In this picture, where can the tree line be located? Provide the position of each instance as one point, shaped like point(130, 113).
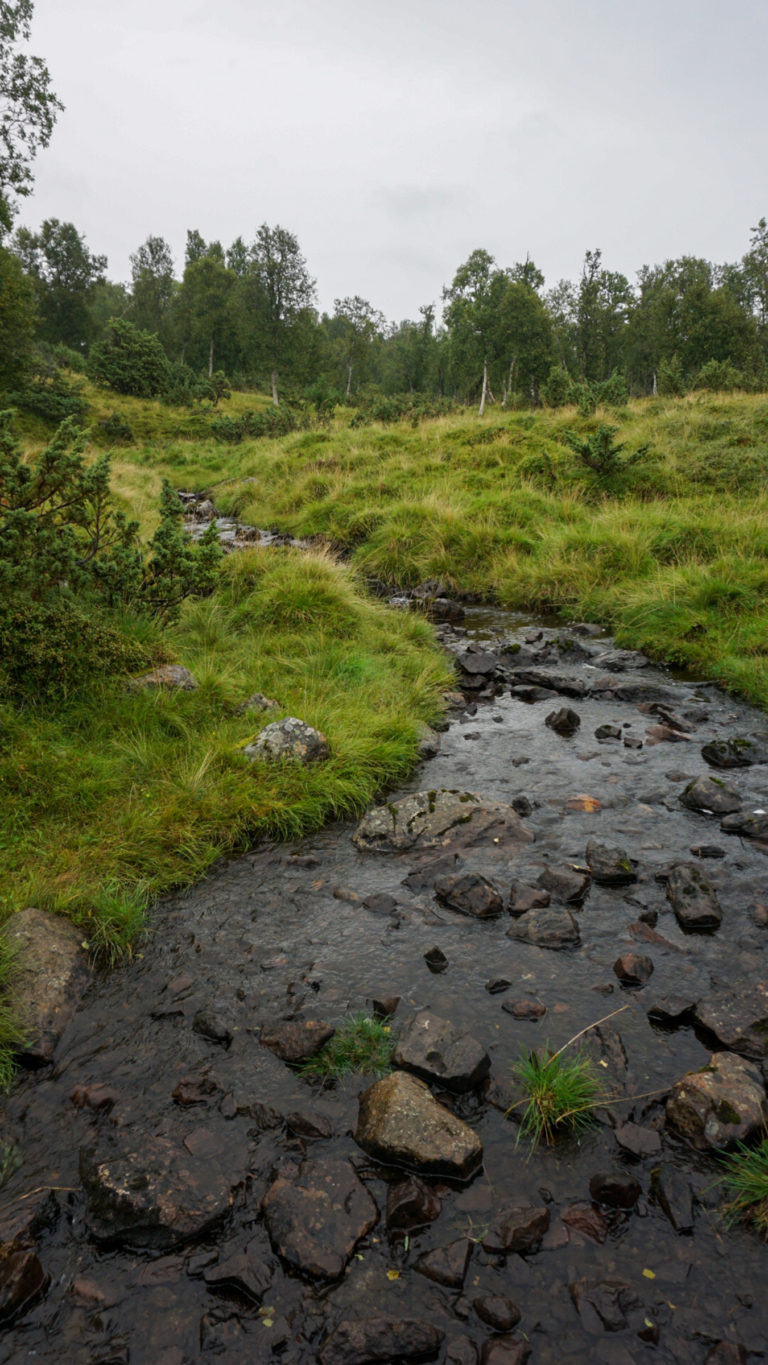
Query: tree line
point(249, 310)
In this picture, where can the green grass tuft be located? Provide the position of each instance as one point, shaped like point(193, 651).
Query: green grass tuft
point(560, 1094)
point(362, 1045)
point(746, 1180)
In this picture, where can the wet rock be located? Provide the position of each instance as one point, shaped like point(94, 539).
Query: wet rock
point(637, 1140)
point(168, 676)
point(22, 1279)
point(734, 753)
point(436, 960)
point(632, 742)
point(568, 885)
point(433, 1049)
point(258, 703)
point(708, 851)
point(380, 902)
point(316, 1220)
point(523, 897)
point(439, 819)
point(621, 660)
point(523, 806)
point(529, 1007)
point(604, 1305)
point(51, 974)
point(586, 1221)
point(289, 739)
point(370, 1340)
point(152, 1192)
point(609, 866)
point(384, 1006)
point(445, 609)
point(673, 1191)
point(672, 1009)
point(429, 743)
point(497, 1311)
point(470, 894)
point(212, 1027)
point(531, 695)
point(726, 1353)
point(719, 1105)
point(633, 969)
point(555, 928)
point(519, 1228)
point(563, 722)
point(411, 1204)
point(738, 1019)
point(608, 732)
point(296, 1041)
point(447, 1265)
point(497, 985)
point(461, 1351)
point(505, 1350)
point(245, 1271)
point(96, 1097)
point(401, 1123)
point(615, 1189)
point(693, 900)
point(306, 1123)
point(710, 795)
point(479, 663)
point(554, 682)
point(752, 825)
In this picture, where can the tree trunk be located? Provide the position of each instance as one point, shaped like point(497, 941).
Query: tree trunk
point(210, 358)
point(275, 399)
point(349, 380)
point(508, 386)
point(484, 393)
point(655, 389)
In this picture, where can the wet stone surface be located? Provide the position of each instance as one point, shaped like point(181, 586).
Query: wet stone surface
point(183, 1191)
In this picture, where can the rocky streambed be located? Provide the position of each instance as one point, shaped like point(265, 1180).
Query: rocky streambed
point(587, 843)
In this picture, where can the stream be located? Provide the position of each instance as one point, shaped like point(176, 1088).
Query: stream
point(162, 1068)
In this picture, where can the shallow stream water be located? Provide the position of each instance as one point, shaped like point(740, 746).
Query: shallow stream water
point(283, 933)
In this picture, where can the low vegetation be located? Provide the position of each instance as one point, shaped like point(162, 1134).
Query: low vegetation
point(361, 1045)
point(560, 1094)
point(746, 1182)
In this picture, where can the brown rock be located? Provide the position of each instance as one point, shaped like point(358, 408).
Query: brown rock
point(316, 1220)
point(22, 1278)
point(400, 1122)
point(633, 969)
point(721, 1104)
point(433, 1049)
point(411, 1204)
point(582, 1218)
point(523, 897)
point(506, 1350)
point(497, 1311)
point(447, 1265)
point(470, 894)
point(296, 1041)
point(519, 1228)
point(51, 975)
point(369, 1340)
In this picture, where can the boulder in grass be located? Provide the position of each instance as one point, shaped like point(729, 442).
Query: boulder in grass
point(170, 676)
point(290, 739)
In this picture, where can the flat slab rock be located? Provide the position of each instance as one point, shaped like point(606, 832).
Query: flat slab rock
point(156, 1192)
point(316, 1220)
point(721, 1104)
point(470, 894)
point(401, 1123)
point(439, 819)
point(171, 676)
point(365, 1341)
point(547, 928)
point(710, 795)
point(432, 1048)
point(52, 974)
point(738, 1019)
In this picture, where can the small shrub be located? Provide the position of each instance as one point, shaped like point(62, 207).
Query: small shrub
point(128, 360)
point(598, 454)
point(52, 397)
point(746, 1180)
point(273, 421)
point(556, 390)
point(361, 1045)
point(560, 1094)
point(54, 648)
point(115, 430)
point(719, 376)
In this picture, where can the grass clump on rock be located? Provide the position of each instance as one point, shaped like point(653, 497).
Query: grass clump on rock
point(746, 1179)
point(362, 1045)
point(559, 1094)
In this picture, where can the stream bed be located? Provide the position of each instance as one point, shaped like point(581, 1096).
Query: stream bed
point(162, 1078)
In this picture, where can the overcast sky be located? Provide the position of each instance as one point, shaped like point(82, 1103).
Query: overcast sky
point(393, 137)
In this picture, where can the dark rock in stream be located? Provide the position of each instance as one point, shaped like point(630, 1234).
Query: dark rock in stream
point(693, 900)
point(605, 1305)
point(517, 1229)
point(552, 928)
point(245, 1271)
point(633, 969)
point(609, 866)
point(737, 1019)
point(411, 1204)
point(621, 660)
point(752, 825)
point(553, 682)
point(478, 663)
point(401, 1123)
point(569, 885)
point(673, 1191)
point(433, 1049)
point(735, 753)
point(470, 894)
point(720, 1105)
point(439, 819)
point(296, 1041)
point(497, 1311)
point(564, 722)
point(161, 1192)
point(447, 1265)
point(379, 1340)
point(710, 795)
point(523, 898)
point(22, 1278)
point(316, 1220)
point(506, 1350)
point(615, 1190)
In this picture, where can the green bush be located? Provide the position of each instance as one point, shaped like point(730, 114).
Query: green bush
point(556, 390)
point(51, 397)
point(274, 421)
point(129, 361)
point(115, 430)
point(719, 376)
point(55, 647)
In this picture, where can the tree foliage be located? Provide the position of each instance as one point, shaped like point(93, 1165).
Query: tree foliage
point(28, 106)
point(128, 360)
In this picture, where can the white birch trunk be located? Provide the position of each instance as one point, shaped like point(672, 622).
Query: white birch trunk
point(484, 393)
point(275, 399)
